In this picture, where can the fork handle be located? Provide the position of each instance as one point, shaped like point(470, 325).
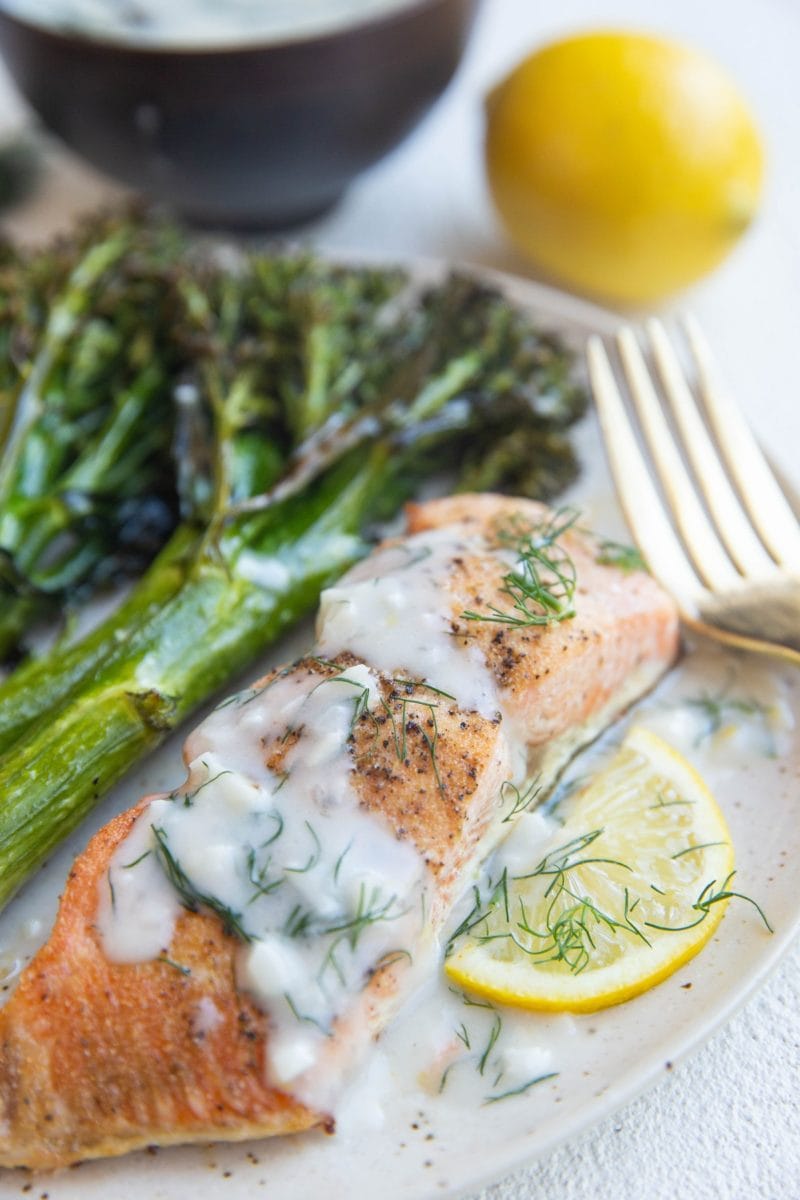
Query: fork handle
point(769, 612)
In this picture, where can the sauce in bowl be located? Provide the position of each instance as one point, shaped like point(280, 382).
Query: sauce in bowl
point(200, 23)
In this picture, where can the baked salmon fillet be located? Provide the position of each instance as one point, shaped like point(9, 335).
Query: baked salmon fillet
point(223, 956)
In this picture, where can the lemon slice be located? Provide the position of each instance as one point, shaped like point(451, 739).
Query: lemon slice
point(632, 886)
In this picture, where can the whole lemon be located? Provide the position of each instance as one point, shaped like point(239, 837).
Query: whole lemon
point(625, 165)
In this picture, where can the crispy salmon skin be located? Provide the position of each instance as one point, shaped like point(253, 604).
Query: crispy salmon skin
point(99, 1057)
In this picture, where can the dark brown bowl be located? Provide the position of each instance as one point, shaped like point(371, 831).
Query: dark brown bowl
point(259, 135)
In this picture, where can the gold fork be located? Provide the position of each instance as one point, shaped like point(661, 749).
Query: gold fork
point(718, 533)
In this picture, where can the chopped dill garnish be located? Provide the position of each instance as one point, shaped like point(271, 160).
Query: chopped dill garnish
point(699, 846)
point(470, 1001)
point(617, 554)
point(239, 699)
point(136, 861)
point(480, 912)
point(168, 962)
point(522, 801)
point(520, 1091)
point(368, 911)
point(707, 899)
point(445, 1076)
point(662, 803)
point(340, 860)
point(328, 663)
point(400, 736)
point(416, 554)
point(570, 916)
point(494, 1034)
point(361, 702)
point(188, 798)
point(259, 877)
point(348, 931)
point(305, 1017)
point(191, 897)
point(314, 857)
point(299, 922)
point(389, 959)
point(426, 687)
point(541, 584)
point(720, 708)
point(278, 819)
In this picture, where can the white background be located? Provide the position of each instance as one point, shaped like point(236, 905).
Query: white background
point(723, 1125)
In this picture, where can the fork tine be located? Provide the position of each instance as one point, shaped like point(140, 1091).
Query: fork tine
point(763, 499)
point(640, 501)
point(734, 528)
point(694, 526)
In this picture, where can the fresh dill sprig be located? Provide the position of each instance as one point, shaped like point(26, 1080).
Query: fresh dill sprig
point(520, 1091)
point(664, 803)
point(522, 801)
point(494, 1034)
point(305, 1016)
point(361, 701)
point(338, 866)
point(169, 962)
point(127, 866)
point(348, 931)
point(400, 736)
point(370, 908)
point(259, 877)
point(570, 918)
point(188, 798)
point(699, 846)
point(416, 554)
point(617, 554)
point(299, 922)
point(279, 823)
point(541, 584)
point(389, 959)
point(191, 897)
point(246, 695)
point(709, 896)
point(462, 1033)
point(470, 1001)
point(426, 687)
point(571, 921)
point(480, 912)
point(719, 707)
point(315, 855)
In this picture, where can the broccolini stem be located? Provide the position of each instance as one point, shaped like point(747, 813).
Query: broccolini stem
point(210, 628)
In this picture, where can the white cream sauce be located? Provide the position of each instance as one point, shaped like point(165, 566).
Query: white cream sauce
point(396, 612)
point(319, 890)
point(201, 23)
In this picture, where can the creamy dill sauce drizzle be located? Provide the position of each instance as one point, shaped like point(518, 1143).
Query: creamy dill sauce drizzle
point(399, 617)
point(319, 891)
point(200, 22)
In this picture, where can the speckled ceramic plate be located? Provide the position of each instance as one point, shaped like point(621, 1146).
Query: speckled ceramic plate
point(399, 1137)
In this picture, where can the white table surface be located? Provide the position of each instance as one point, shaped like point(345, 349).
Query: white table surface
point(722, 1125)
